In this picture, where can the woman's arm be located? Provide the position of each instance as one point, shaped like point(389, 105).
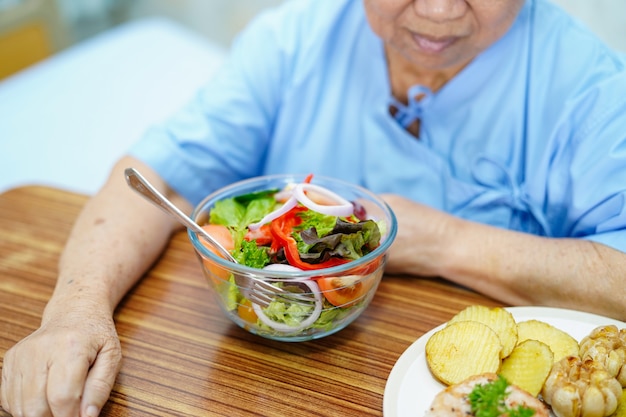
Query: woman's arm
point(70, 363)
point(516, 268)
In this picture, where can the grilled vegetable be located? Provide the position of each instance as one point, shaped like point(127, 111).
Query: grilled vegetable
point(621, 407)
point(607, 345)
point(581, 388)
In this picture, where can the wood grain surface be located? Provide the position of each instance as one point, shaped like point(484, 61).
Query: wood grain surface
point(183, 357)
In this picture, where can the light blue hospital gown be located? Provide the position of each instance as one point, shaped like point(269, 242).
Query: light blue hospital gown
point(530, 136)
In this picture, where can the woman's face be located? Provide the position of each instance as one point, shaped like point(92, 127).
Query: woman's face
point(441, 34)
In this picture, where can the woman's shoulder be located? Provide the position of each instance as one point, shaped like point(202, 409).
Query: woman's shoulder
point(298, 39)
point(562, 42)
point(571, 71)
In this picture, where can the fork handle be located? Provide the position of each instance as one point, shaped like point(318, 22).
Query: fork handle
point(138, 183)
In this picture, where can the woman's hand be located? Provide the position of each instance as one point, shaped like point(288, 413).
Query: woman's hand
point(68, 366)
point(65, 368)
point(422, 239)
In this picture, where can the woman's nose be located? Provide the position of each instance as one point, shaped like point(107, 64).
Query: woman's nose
point(440, 10)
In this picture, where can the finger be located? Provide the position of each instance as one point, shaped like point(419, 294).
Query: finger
point(33, 391)
point(6, 384)
point(18, 396)
point(66, 378)
point(100, 381)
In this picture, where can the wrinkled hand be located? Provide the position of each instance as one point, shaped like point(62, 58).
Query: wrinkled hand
point(65, 368)
point(423, 239)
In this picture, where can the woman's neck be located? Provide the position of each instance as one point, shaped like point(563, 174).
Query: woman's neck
point(404, 74)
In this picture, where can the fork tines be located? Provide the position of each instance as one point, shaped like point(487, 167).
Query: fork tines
point(265, 293)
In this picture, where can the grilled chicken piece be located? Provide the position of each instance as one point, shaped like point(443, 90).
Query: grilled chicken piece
point(454, 401)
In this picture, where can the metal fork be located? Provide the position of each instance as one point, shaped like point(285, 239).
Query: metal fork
point(253, 288)
point(263, 292)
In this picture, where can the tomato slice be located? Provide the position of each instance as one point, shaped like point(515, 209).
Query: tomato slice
point(219, 233)
point(345, 291)
point(223, 237)
point(262, 236)
point(246, 312)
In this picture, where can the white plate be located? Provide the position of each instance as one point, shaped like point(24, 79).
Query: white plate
point(411, 388)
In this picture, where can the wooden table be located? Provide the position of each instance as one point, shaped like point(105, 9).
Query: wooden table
point(183, 357)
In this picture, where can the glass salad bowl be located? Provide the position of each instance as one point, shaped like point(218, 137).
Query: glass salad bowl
point(319, 242)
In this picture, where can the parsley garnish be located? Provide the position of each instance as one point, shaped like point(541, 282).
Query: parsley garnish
point(487, 400)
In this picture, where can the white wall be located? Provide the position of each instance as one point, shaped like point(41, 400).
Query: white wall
point(220, 20)
point(606, 17)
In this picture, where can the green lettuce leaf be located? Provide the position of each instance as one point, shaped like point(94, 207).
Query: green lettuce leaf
point(238, 212)
point(291, 314)
point(323, 223)
point(228, 213)
point(252, 255)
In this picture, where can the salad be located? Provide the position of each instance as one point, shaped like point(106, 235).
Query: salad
point(303, 227)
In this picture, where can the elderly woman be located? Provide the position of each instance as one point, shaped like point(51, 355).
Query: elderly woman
point(495, 129)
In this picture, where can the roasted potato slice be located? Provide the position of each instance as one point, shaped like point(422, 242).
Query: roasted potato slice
point(500, 320)
point(528, 365)
point(560, 342)
point(463, 349)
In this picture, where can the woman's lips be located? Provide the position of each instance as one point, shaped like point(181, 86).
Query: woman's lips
point(433, 45)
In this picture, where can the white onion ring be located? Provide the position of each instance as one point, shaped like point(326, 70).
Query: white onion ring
point(286, 268)
point(285, 193)
point(289, 204)
point(281, 268)
point(283, 327)
point(344, 208)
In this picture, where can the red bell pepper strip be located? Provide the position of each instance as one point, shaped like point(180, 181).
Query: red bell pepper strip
point(282, 228)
